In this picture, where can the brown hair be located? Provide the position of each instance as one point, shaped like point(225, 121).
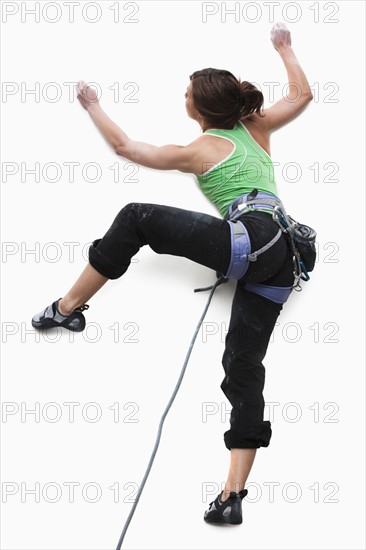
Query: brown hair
point(222, 99)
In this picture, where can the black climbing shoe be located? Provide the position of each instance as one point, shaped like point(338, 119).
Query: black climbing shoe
point(228, 511)
point(51, 317)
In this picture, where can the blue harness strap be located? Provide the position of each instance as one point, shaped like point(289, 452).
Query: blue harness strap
point(240, 250)
point(250, 202)
point(278, 294)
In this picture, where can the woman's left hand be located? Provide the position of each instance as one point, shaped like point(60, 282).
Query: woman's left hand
point(86, 95)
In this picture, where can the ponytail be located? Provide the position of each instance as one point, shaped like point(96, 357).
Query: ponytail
point(251, 99)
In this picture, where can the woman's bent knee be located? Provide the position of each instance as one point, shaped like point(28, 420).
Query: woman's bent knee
point(103, 264)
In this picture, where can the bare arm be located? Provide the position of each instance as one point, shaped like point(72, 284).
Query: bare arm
point(299, 92)
point(166, 157)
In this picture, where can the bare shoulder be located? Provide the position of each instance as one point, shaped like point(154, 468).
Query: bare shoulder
point(208, 150)
point(211, 143)
point(255, 122)
point(258, 129)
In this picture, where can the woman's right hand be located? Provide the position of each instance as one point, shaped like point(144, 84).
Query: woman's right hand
point(86, 95)
point(280, 36)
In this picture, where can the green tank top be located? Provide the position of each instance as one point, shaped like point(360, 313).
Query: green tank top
point(247, 167)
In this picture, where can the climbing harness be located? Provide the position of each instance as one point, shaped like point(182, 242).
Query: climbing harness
point(301, 239)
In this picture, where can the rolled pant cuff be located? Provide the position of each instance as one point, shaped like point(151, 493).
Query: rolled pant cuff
point(251, 438)
point(102, 264)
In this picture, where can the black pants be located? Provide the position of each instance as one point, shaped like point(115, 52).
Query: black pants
point(206, 240)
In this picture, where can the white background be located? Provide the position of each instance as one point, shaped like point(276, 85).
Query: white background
point(315, 377)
